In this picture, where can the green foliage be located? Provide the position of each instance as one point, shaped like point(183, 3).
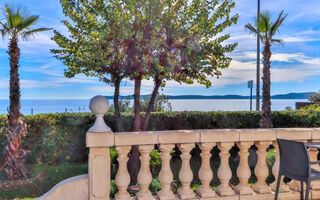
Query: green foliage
point(315, 98)
point(288, 108)
point(161, 104)
point(311, 108)
point(113, 153)
point(53, 175)
point(124, 105)
point(155, 186)
point(266, 28)
point(113, 188)
point(18, 22)
point(165, 40)
point(161, 40)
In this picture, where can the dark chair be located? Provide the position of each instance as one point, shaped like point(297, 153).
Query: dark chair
point(295, 164)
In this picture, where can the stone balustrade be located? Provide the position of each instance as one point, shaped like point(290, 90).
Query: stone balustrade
point(186, 140)
point(100, 138)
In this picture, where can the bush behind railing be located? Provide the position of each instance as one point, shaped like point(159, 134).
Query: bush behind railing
point(60, 138)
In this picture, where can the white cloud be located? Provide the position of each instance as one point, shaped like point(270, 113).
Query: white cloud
point(39, 44)
point(51, 82)
point(47, 69)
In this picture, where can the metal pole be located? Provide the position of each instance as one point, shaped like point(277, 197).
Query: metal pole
point(250, 99)
point(258, 65)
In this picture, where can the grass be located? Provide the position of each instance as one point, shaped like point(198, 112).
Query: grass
point(53, 175)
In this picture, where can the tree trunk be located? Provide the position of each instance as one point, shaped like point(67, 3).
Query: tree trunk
point(117, 113)
point(151, 103)
point(266, 121)
point(14, 154)
point(134, 162)
point(137, 106)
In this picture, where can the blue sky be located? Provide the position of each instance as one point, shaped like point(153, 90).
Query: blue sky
point(295, 66)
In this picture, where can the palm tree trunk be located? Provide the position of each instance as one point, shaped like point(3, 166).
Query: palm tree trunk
point(151, 103)
point(14, 154)
point(116, 105)
point(14, 111)
point(266, 121)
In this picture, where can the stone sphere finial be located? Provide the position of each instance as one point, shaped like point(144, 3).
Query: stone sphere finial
point(99, 105)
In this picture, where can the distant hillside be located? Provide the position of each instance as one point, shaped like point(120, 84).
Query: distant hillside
point(302, 95)
point(293, 95)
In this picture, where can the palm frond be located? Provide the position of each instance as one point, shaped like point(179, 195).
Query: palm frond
point(27, 34)
point(19, 22)
point(266, 19)
point(7, 14)
point(277, 23)
point(37, 30)
point(5, 29)
point(251, 29)
point(263, 22)
point(279, 41)
point(16, 20)
point(27, 22)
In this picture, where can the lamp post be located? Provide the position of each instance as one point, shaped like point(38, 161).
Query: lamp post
point(258, 65)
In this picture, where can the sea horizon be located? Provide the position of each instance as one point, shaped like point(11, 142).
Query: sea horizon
point(37, 106)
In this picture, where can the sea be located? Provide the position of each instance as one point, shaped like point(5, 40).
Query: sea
point(82, 105)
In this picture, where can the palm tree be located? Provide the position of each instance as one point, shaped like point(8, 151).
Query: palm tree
point(17, 24)
point(266, 31)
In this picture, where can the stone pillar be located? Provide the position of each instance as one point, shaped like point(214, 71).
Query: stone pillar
point(275, 170)
point(205, 172)
point(123, 177)
point(243, 170)
point(185, 174)
point(99, 139)
point(145, 176)
point(224, 171)
point(261, 170)
point(165, 176)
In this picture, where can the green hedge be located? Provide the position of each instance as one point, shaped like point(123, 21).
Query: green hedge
point(60, 138)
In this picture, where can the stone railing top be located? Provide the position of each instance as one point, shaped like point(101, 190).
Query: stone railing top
point(200, 136)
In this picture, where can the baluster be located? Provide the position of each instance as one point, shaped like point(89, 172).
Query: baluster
point(224, 171)
point(122, 177)
point(165, 176)
point(205, 172)
point(145, 176)
point(185, 174)
point(243, 170)
point(261, 170)
point(275, 170)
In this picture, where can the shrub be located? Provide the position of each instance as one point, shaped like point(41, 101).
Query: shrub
point(60, 138)
point(315, 98)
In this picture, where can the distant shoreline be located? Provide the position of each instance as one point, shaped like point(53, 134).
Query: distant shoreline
point(303, 95)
